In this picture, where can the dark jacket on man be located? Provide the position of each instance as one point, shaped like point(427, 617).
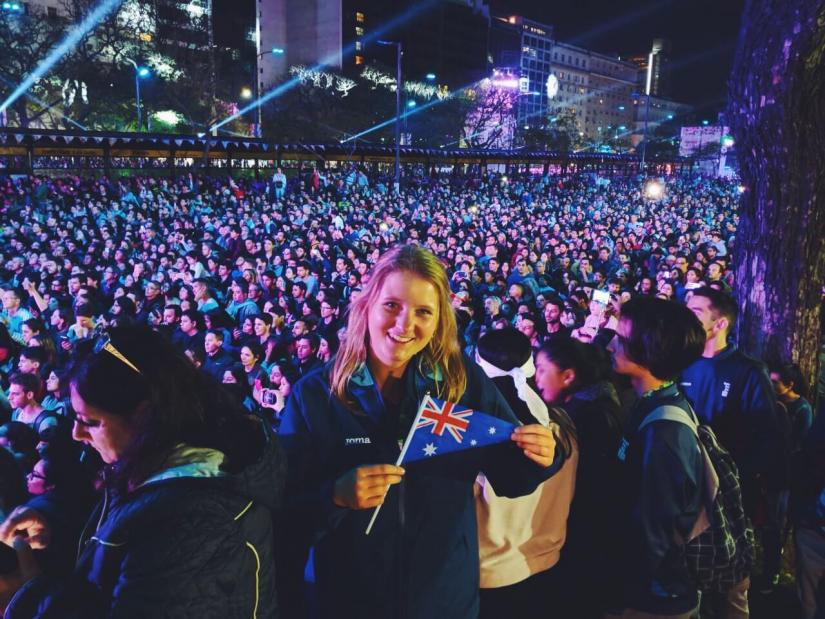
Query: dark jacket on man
point(663, 494)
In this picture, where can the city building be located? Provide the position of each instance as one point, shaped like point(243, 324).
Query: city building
point(297, 32)
point(605, 105)
point(446, 40)
point(659, 60)
point(559, 78)
point(524, 48)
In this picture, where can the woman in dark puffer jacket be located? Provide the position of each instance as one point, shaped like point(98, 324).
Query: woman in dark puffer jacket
point(575, 376)
point(191, 487)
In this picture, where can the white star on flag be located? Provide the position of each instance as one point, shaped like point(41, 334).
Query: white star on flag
point(492, 430)
point(429, 449)
point(473, 442)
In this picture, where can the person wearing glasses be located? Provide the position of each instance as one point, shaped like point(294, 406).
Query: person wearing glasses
point(190, 488)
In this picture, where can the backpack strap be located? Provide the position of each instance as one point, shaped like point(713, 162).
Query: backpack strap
point(670, 412)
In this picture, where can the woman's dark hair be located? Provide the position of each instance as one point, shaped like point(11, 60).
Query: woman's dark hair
point(665, 337)
point(127, 306)
point(590, 363)
point(219, 319)
point(791, 374)
point(255, 348)
point(169, 402)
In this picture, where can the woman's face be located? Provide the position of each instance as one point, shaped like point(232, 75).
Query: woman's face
point(248, 326)
point(285, 388)
point(247, 358)
point(323, 350)
point(402, 321)
point(551, 380)
point(28, 334)
point(36, 479)
point(109, 435)
point(229, 378)
point(275, 376)
point(52, 382)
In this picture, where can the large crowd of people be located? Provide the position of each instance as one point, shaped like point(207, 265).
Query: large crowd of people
point(233, 366)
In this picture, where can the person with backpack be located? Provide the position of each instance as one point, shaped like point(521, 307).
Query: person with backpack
point(732, 393)
point(663, 465)
point(23, 392)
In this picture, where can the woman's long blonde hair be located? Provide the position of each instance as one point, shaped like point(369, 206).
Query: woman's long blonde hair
point(441, 353)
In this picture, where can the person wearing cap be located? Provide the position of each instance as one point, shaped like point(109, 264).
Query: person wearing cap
point(521, 539)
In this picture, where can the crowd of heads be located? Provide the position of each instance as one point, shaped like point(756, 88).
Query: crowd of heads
point(253, 279)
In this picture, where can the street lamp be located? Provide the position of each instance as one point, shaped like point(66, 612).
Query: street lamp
point(246, 92)
point(140, 73)
point(275, 51)
point(397, 45)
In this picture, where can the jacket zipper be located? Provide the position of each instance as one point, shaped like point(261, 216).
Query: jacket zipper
point(83, 539)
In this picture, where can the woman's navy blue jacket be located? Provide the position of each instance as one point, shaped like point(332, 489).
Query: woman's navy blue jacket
point(421, 558)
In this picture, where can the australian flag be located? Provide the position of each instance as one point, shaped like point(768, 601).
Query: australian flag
point(444, 427)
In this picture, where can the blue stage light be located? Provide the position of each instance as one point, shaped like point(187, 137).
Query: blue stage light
point(326, 62)
point(62, 48)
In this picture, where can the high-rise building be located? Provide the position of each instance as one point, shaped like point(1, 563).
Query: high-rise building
point(446, 39)
point(297, 32)
point(654, 68)
point(525, 47)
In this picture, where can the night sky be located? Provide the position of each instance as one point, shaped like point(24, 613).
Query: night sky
point(703, 34)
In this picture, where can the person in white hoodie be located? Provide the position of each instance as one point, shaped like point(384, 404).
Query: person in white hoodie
point(520, 539)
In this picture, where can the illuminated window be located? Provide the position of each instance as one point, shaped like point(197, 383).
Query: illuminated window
point(359, 17)
point(358, 45)
point(359, 31)
point(359, 60)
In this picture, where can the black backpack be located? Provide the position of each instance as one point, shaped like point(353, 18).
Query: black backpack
point(720, 549)
point(63, 425)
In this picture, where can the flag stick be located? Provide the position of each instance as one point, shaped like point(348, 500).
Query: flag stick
point(401, 456)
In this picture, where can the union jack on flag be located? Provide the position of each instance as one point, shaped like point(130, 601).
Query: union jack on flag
point(444, 416)
point(442, 427)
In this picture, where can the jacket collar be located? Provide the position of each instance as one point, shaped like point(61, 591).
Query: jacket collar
point(417, 380)
point(188, 461)
point(362, 377)
point(726, 352)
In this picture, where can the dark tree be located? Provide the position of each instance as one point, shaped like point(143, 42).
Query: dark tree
point(25, 39)
point(777, 111)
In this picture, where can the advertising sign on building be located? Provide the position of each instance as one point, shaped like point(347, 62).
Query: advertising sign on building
point(694, 139)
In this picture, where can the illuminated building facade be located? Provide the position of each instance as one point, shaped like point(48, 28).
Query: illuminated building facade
point(446, 40)
point(556, 78)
